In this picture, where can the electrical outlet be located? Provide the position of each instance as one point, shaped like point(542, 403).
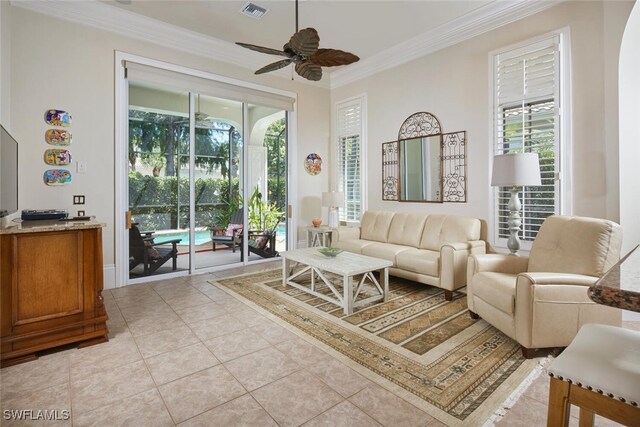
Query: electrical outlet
point(81, 166)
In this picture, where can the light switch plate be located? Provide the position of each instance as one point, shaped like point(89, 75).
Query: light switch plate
point(82, 166)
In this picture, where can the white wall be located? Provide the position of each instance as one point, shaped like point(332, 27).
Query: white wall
point(453, 85)
point(5, 64)
point(73, 71)
point(630, 132)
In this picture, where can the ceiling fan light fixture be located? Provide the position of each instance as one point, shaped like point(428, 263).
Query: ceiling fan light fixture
point(253, 10)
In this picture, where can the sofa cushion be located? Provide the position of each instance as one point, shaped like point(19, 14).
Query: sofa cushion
point(441, 229)
point(375, 226)
point(386, 251)
point(578, 245)
point(354, 245)
point(406, 228)
point(496, 289)
point(422, 261)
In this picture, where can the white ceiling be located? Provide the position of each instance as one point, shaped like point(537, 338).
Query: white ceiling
point(361, 27)
point(384, 34)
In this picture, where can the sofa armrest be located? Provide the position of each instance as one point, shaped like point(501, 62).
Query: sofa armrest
point(550, 308)
point(497, 263)
point(540, 278)
point(453, 262)
point(346, 233)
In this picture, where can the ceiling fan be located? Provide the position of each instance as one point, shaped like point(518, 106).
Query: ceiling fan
point(303, 50)
point(202, 119)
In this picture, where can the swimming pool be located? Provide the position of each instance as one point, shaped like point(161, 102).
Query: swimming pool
point(202, 236)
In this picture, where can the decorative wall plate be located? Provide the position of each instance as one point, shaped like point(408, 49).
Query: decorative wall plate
point(57, 157)
point(57, 137)
point(57, 177)
point(313, 164)
point(57, 118)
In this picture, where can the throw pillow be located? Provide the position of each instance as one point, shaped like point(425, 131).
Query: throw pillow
point(153, 252)
point(231, 228)
point(261, 242)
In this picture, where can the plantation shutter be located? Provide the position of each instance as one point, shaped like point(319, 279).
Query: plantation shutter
point(349, 132)
point(527, 105)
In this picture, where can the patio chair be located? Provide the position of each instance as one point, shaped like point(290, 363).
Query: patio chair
point(263, 243)
point(231, 235)
point(144, 250)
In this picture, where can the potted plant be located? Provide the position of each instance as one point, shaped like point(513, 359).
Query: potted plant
point(222, 217)
point(263, 216)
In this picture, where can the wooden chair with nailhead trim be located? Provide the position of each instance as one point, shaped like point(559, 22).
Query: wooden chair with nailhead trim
point(600, 373)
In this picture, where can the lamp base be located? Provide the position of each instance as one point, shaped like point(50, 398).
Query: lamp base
point(515, 221)
point(333, 218)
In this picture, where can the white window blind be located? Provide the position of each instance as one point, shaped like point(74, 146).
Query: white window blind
point(349, 155)
point(527, 105)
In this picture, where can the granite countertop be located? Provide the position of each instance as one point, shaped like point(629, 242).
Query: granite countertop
point(620, 286)
point(48, 225)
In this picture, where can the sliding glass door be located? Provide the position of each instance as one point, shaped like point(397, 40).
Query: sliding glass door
point(158, 175)
point(266, 182)
point(207, 180)
point(219, 145)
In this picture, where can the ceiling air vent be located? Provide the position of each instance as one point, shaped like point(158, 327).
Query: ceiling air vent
point(253, 10)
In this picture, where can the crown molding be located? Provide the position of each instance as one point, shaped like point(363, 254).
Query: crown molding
point(108, 18)
point(474, 23)
point(99, 15)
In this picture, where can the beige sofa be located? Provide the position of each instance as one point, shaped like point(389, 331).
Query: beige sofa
point(430, 249)
point(541, 300)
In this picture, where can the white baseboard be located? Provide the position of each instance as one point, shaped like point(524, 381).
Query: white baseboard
point(109, 273)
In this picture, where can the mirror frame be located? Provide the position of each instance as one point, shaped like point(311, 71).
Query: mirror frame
point(454, 167)
point(390, 174)
point(419, 125)
point(453, 159)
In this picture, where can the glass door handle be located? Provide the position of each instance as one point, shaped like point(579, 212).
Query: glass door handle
point(127, 220)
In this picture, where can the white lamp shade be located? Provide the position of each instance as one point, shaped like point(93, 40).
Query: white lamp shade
point(516, 170)
point(333, 199)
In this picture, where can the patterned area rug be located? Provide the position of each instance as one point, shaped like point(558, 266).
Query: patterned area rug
point(418, 341)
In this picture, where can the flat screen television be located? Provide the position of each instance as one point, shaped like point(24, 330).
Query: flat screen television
point(8, 173)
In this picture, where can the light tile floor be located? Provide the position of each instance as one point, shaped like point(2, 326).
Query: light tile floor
point(182, 352)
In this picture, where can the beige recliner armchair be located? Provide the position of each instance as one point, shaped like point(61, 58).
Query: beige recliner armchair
point(541, 301)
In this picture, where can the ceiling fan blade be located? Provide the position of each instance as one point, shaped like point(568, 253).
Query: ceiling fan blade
point(332, 58)
point(309, 71)
point(304, 42)
point(274, 66)
point(262, 49)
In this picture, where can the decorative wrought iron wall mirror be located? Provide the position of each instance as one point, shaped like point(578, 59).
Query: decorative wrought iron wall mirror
point(424, 164)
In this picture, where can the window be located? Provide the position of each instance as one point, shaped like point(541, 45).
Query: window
point(528, 96)
point(350, 157)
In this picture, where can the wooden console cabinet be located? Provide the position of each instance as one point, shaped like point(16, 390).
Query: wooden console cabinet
point(50, 288)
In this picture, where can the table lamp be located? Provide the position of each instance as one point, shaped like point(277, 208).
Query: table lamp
point(333, 200)
point(515, 171)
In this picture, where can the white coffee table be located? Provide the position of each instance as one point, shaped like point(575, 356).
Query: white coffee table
point(345, 266)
